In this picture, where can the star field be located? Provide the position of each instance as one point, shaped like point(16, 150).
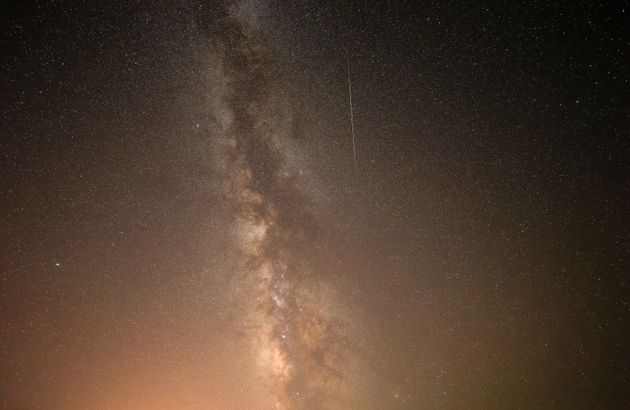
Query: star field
point(183, 227)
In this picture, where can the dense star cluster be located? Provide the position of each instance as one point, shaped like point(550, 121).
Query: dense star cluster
point(193, 218)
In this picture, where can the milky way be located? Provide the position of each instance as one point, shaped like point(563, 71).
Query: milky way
point(295, 333)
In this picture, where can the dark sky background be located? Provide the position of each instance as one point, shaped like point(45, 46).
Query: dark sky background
point(182, 225)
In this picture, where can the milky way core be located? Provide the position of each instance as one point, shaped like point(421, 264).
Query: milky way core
point(296, 335)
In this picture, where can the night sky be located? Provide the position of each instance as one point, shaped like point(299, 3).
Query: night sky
point(183, 226)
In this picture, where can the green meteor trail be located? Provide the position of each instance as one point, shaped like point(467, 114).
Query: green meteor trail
point(354, 147)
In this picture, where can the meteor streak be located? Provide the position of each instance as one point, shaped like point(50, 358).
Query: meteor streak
point(354, 147)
